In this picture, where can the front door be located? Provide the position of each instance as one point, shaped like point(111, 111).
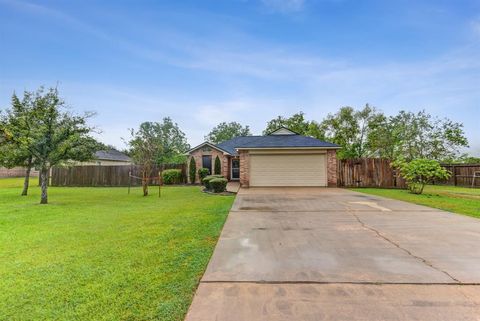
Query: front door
point(207, 163)
point(235, 168)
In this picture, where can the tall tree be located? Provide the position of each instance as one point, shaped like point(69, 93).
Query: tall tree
point(58, 136)
point(225, 131)
point(157, 143)
point(383, 138)
point(146, 148)
point(17, 125)
point(351, 129)
point(409, 135)
point(174, 142)
point(296, 123)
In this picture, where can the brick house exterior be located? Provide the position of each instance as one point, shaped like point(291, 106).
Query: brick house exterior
point(286, 157)
point(214, 153)
point(244, 168)
point(332, 167)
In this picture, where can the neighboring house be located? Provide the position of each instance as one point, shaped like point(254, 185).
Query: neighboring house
point(109, 158)
point(282, 158)
point(16, 172)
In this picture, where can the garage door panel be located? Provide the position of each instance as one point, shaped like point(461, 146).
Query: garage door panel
point(288, 170)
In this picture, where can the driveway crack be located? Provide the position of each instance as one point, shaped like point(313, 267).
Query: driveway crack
point(404, 249)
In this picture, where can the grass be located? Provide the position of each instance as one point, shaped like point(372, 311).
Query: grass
point(462, 200)
point(100, 254)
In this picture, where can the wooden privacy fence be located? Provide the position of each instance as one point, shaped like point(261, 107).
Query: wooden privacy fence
point(462, 175)
point(106, 175)
point(368, 172)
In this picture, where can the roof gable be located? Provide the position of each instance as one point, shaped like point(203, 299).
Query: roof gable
point(283, 131)
point(208, 144)
point(112, 155)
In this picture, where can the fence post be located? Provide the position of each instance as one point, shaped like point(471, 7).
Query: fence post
point(454, 173)
point(129, 181)
point(160, 183)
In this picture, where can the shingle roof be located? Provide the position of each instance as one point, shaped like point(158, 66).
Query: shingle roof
point(112, 154)
point(273, 141)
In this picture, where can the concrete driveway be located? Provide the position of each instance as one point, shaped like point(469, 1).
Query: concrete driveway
point(333, 254)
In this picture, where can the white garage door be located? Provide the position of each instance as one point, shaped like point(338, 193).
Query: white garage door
point(288, 170)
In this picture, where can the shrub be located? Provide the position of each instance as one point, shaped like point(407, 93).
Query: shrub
point(202, 173)
point(218, 185)
point(218, 166)
point(172, 176)
point(192, 170)
point(207, 179)
point(420, 172)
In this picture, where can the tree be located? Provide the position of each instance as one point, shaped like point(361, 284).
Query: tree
point(157, 143)
point(296, 123)
point(467, 159)
point(58, 136)
point(383, 138)
point(217, 166)
point(352, 129)
point(420, 172)
point(225, 131)
point(410, 136)
point(174, 142)
point(146, 148)
point(17, 126)
point(192, 170)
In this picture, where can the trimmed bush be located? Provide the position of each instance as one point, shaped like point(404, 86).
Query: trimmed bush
point(420, 172)
point(218, 185)
point(207, 179)
point(202, 173)
point(172, 176)
point(192, 170)
point(218, 166)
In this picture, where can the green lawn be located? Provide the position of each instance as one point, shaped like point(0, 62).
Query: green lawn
point(460, 200)
point(100, 254)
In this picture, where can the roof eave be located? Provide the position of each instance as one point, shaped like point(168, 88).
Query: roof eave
point(291, 147)
point(113, 160)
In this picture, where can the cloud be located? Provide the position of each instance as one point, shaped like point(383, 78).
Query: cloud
point(267, 79)
point(284, 6)
point(42, 10)
point(475, 25)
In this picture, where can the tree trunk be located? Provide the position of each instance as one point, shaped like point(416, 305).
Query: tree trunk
point(44, 185)
point(26, 182)
point(145, 184)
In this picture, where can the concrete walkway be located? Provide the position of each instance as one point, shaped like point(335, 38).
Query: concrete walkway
point(233, 187)
point(333, 254)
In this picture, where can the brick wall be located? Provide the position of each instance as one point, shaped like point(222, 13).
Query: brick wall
point(332, 167)
point(244, 168)
point(225, 166)
point(197, 155)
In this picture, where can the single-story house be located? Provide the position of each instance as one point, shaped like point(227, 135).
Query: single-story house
point(281, 158)
point(16, 172)
point(109, 157)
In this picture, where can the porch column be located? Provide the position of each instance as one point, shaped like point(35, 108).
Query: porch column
point(226, 167)
point(244, 168)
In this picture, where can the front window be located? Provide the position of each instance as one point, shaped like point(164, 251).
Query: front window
point(207, 163)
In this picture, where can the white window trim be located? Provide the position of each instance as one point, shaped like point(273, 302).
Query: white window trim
point(231, 169)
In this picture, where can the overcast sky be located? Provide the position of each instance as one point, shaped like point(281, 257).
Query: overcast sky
point(203, 62)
